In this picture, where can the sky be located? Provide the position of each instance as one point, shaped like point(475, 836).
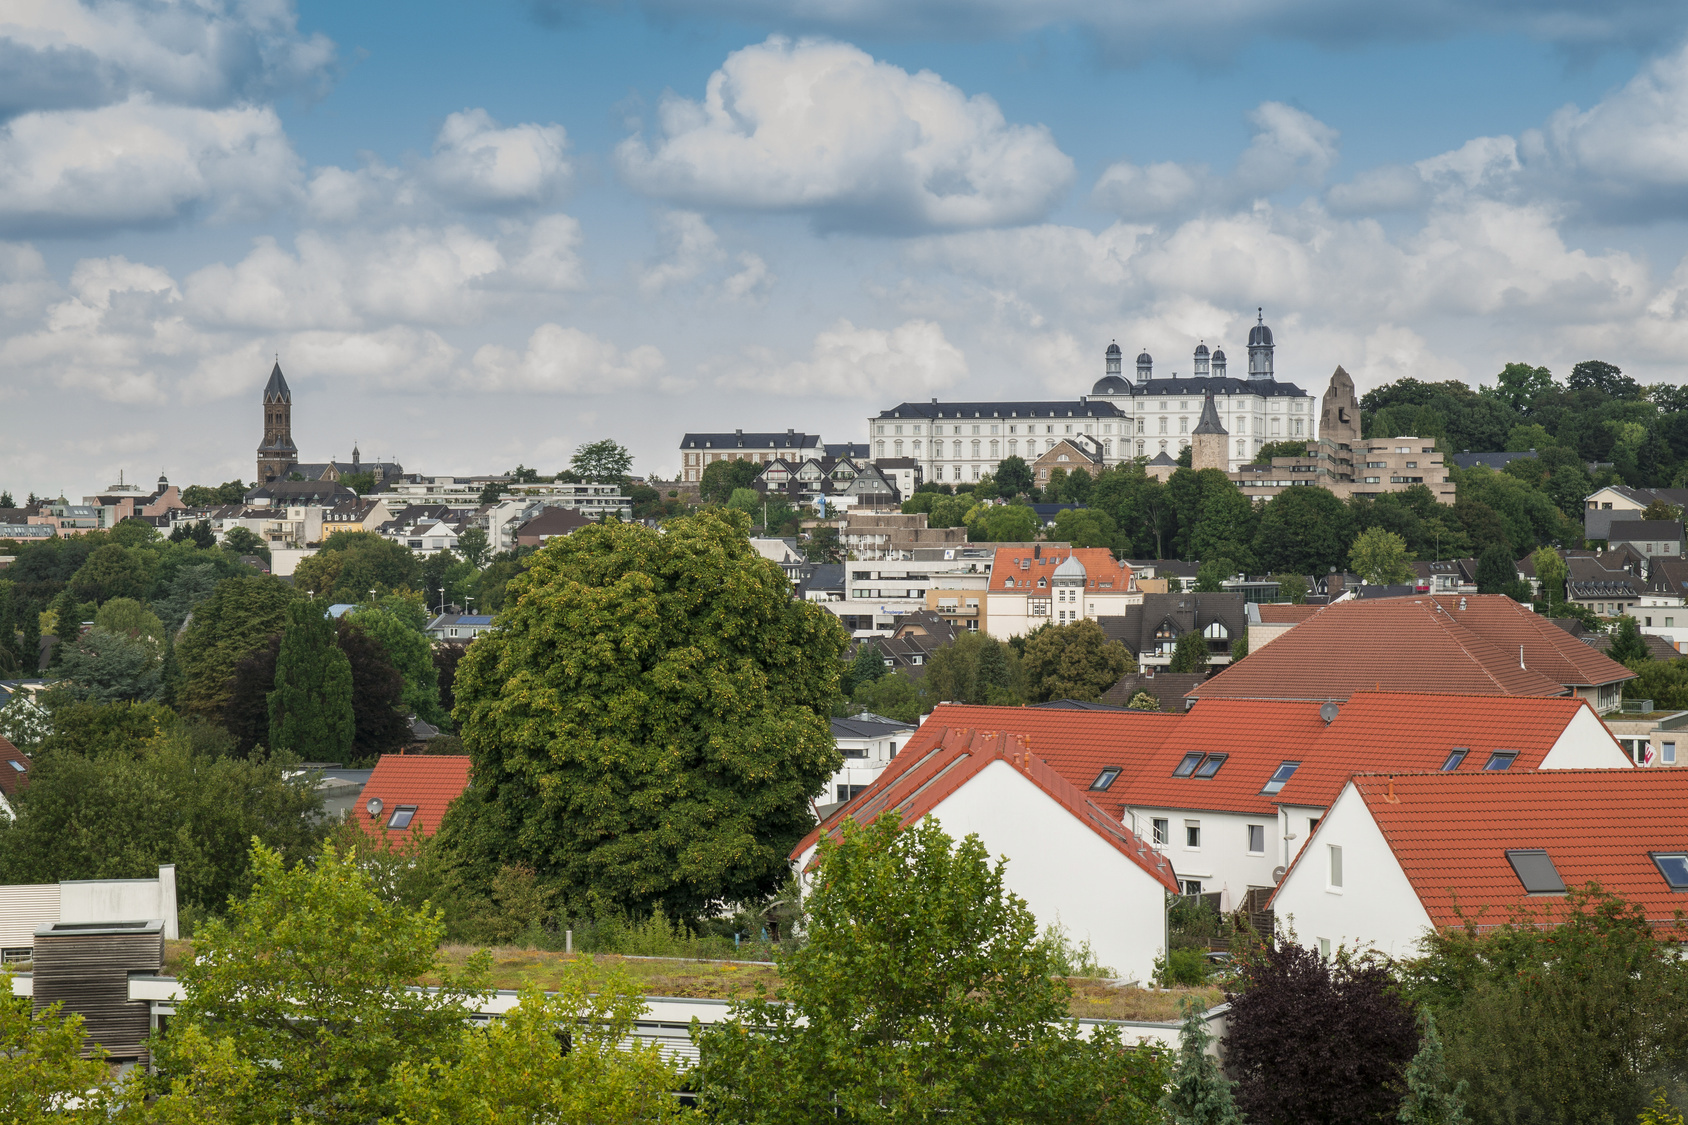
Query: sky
point(483, 234)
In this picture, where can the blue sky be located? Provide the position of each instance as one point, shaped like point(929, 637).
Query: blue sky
point(479, 234)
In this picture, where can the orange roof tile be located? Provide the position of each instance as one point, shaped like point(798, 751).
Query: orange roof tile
point(1282, 613)
point(1256, 736)
point(916, 784)
point(430, 782)
point(1450, 834)
point(1007, 575)
point(12, 778)
point(1548, 649)
point(1395, 644)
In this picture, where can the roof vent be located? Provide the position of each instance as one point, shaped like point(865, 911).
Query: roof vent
point(1328, 713)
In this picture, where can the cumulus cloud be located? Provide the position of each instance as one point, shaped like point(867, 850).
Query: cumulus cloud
point(847, 361)
point(824, 129)
point(479, 165)
point(139, 162)
point(693, 250)
point(560, 360)
point(1290, 147)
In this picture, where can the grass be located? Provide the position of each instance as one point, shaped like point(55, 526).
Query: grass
point(515, 969)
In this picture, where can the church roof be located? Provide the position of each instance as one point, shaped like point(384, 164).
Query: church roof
point(1217, 384)
point(1210, 423)
point(276, 389)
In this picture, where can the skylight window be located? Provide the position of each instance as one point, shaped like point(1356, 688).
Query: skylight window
point(17, 765)
point(1211, 766)
point(1535, 870)
point(1188, 765)
point(1456, 757)
point(1105, 778)
point(1674, 867)
point(402, 816)
point(1280, 775)
point(1501, 760)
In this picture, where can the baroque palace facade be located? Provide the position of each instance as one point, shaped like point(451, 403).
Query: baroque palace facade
point(1121, 418)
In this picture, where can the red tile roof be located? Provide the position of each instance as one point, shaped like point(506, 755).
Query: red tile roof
point(916, 784)
point(1099, 563)
point(1548, 649)
point(11, 777)
point(1282, 613)
point(1404, 644)
point(428, 781)
point(1450, 833)
point(1371, 731)
point(1079, 745)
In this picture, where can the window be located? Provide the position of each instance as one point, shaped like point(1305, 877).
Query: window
point(854, 752)
point(850, 792)
point(1674, 867)
point(1535, 870)
point(1669, 754)
point(1257, 839)
point(1501, 760)
point(1324, 948)
point(402, 816)
point(1211, 766)
point(1160, 829)
point(1192, 834)
point(1335, 854)
point(16, 765)
point(1455, 757)
point(1279, 776)
point(1192, 886)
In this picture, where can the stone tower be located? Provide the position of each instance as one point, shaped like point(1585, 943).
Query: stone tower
point(277, 453)
point(1209, 440)
point(1339, 423)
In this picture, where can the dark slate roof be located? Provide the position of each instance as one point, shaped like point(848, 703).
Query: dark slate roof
point(1492, 460)
point(846, 449)
point(282, 492)
point(1111, 385)
point(276, 389)
point(826, 576)
point(1216, 384)
point(959, 410)
point(1135, 628)
point(1210, 423)
point(1168, 688)
point(1643, 530)
point(867, 725)
point(1162, 459)
point(738, 439)
point(554, 521)
point(1668, 576)
point(1076, 705)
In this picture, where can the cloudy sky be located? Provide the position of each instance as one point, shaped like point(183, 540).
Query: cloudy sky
point(483, 233)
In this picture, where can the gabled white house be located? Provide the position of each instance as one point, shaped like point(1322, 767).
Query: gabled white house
point(1073, 863)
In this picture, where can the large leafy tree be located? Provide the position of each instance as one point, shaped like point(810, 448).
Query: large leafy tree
point(378, 718)
point(107, 666)
point(604, 462)
point(398, 623)
point(242, 614)
point(352, 563)
point(1380, 558)
point(1314, 1040)
point(649, 720)
point(311, 712)
point(1627, 644)
point(113, 571)
point(1075, 661)
point(1190, 653)
point(44, 1072)
point(1302, 531)
point(1496, 572)
point(1013, 476)
point(720, 478)
point(922, 994)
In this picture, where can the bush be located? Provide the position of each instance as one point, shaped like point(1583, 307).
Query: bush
point(1181, 968)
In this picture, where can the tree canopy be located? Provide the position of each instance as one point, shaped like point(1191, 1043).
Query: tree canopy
point(1075, 661)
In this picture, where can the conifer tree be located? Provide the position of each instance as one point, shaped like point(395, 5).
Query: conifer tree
point(1432, 1098)
point(1200, 1094)
point(311, 706)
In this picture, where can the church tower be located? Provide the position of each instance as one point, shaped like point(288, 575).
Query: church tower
point(1339, 424)
point(1208, 440)
point(1260, 350)
point(277, 453)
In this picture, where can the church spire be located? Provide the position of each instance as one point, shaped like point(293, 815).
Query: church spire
point(276, 452)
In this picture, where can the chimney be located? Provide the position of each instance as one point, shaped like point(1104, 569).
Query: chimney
point(1390, 796)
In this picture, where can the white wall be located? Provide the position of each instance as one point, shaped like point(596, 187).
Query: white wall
point(1586, 744)
point(1376, 905)
point(122, 900)
point(284, 560)
point(22, 909)
point(1223, 862)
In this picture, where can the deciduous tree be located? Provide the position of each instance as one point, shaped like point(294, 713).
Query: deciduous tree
point(1013, 476)
point(239, 616)
point(1190, 653)
point(602, 462)
point(1627, 645)
point(1380, 558)
point(1075, 661)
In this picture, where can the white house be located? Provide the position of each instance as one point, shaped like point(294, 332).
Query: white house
point(868, 743)
point(1037, 584)
point(1071, 862)
point(1399, 855)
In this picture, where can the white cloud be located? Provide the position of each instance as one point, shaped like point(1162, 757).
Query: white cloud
point(692, 247)
point(560, 360)
point(825, 129)
point(846, 361)
point(139, 162)
point(1290, 147)
point(478, 165)
point(751, 282)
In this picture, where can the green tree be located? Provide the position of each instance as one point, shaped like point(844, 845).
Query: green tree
point(1198, 1092)
point(202, 496)
point(976, 669)
point(1550, 572)
point(867, 666)
point(45, 1071)
point(1211, 575)
point(352, 563)
point(602, 462)
point(240, 541)
point(397, 624)
point(1303, 531)
point(1239, 649)
point(113, 571)
point(473, 546)
point(1292, 588)
point(1607, 378)
point(1520, 386)
point(361, 483)
point(1190, 653)
point(919, 959)
point(1380, 558)
point(649, 720)
point(746, 500)
point(1264, 455)
point(105, 667)
point(1144, 701)
point(314, 974)
point(1075, 661)
point(822, 546)
point(239, 616)
point(184, 590)
point(1627, 645)
point(311, 707)
point(1661, 510)
point(1496, 572)
point(1013, 476)
point(1085, 527)
point(1003, 523)
point(721, 477)
point(131, 619)
point(1432, 1097)
point(895, 696)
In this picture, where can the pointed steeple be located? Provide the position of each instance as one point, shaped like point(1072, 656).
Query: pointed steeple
point(1210, 423)
point(276, 389)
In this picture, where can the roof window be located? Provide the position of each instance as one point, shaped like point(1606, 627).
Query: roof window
point(1210, 765)
point(1188, 765)
point(1455, 757)
point(1535, 870)
point(1501, 760)
point(1105, 778)
point(402, 816)
point(1674, 867)
point(1281, 775)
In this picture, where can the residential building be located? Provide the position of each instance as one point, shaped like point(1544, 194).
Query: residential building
point(26, 908)
point(870, 536)
point(966, 608)
point(828, 482)
point(1165, 576)
point(912, 641)
point(459, 628)
point(549, 524)
point(1167, 688)
point(1081, 451)
point(122, 501)
point(355, 514)
point(903, 473)
point(1478, 644)
point(407, 794)
point(1150, 629)
point(1620, 502)
point(1648, 537)
point(1399, 856)
point(823, 583)
point(1649, 736)
point(698, 451)
point(464, 494)
point(14, 774)
point(868, 743)
point(1603, 589)
point(67, 518)
point(1269, 621)
point(1059, 845)
point(1045, 583)
point(1447, 576)
point(782, 552)
point(879, 592)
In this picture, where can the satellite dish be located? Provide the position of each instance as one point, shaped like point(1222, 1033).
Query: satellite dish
point(373, 806)
point(1328, 712)
point(1278, 875)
